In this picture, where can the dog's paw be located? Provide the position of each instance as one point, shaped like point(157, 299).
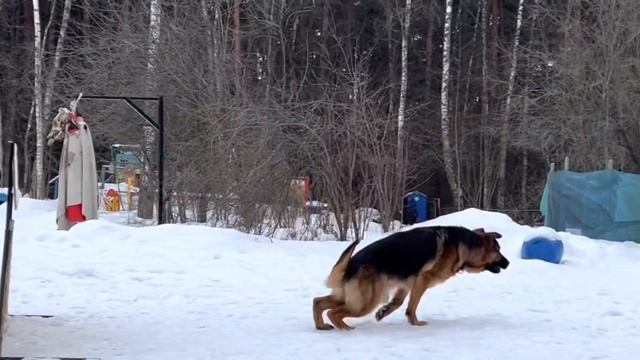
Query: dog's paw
point(325, 327)
point(420, 323)
point(382, 312)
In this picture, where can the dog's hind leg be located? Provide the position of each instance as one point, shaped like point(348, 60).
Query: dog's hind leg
point(391, 306)
point(320, 304)
point(368, 295)
point(338, 314)
point(419, 287)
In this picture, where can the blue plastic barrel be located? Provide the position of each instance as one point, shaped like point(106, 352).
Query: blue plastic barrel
point(542, 248)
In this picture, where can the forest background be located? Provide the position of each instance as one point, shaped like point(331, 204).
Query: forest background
point(469, 101)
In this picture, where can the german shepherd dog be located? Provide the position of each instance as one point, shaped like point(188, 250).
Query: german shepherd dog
point(409, 262)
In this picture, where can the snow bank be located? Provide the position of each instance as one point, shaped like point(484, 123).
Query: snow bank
point(196, 292)
point(579, 250)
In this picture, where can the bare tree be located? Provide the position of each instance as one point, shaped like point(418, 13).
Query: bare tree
point(57, 56)
point(217, 47)
point(444, 108)
point(406, 24)
point(337, 89)
point(39, 184)
point(504, 133)
point(204, 8)
point(484, 113)
point(429, 45)
point(401, 146)
point(145, 208)
point(580, 92)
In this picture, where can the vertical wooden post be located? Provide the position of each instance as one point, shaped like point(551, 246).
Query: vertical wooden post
point(566, 163)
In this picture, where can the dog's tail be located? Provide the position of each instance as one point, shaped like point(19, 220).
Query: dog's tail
point(335, 277)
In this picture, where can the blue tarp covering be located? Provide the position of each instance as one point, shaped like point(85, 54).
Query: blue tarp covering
point(600, 204)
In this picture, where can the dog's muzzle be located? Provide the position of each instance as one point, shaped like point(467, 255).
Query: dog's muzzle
point(497, 266)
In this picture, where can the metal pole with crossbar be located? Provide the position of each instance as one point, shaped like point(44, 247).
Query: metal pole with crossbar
point(157, 125)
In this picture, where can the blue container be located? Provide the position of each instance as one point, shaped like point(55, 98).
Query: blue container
point(3, 198)
point(542, 248)
point(415, 208)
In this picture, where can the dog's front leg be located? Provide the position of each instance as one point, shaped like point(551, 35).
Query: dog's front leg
point(419, 287)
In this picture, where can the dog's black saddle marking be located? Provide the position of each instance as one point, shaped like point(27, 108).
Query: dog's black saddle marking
point(403, 254)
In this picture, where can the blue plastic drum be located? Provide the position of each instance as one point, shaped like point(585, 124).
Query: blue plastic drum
point(542, 248)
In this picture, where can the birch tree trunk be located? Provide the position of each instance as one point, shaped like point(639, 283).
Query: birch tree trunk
point(403, 84)
point(525, 162)
point(401, 151)
point(456, 105)
point(444, 107)
point(154, 38)
point(504, 133)
point(486, 194)
point(145, 207)
point(39, 184)
point(51, 75)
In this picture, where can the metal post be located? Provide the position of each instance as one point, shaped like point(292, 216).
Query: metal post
point(8, 239)
point(161, 219)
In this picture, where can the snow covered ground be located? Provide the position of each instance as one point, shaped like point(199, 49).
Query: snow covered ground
point(195, 292)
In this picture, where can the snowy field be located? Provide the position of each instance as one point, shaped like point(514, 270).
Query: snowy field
point(194, 292)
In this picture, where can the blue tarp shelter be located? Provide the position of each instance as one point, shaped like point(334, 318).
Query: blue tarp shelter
point(600, 204)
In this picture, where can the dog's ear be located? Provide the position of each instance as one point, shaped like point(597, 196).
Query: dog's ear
point(493, 234)
point(479, 231)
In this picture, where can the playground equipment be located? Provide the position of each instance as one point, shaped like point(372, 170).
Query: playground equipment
point(126, 162)
point(13, 196)
point(112, 201)
point(158, 126)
